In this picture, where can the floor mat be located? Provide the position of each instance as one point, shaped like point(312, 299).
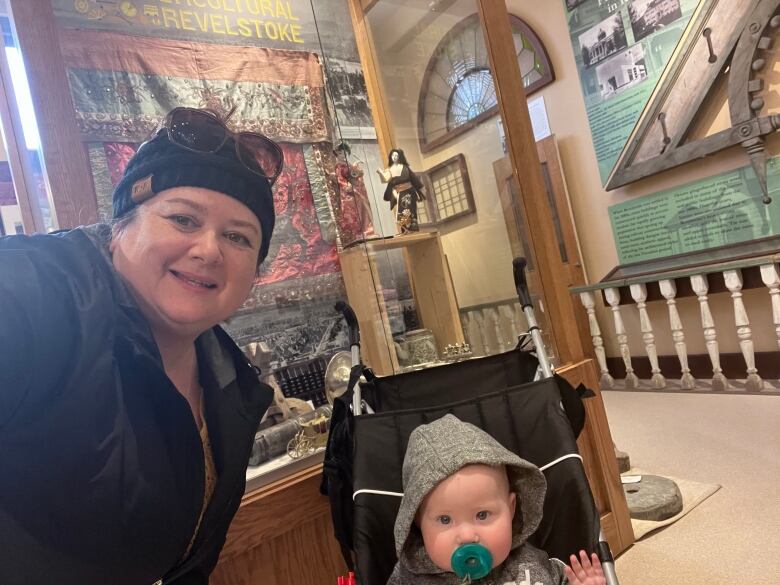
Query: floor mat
point(693, 494)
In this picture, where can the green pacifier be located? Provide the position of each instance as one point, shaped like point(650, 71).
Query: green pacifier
point(471, 560)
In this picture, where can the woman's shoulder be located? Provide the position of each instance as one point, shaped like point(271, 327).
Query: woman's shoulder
point(74, 263)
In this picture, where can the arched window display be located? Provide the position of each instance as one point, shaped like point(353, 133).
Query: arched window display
point(457, 90)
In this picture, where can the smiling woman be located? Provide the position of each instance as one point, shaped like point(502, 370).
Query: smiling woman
point(156, 405)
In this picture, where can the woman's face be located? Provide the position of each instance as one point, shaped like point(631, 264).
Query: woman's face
point(190, 257)
point(394, 156)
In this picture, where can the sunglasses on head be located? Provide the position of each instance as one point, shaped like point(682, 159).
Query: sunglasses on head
point(201, 131)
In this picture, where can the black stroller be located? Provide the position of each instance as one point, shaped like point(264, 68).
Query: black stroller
point(513, 396)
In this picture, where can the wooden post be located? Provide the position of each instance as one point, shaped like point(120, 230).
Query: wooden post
point(733, 280)
point(21, 170)
point(639, 294)
point(613, 299)
point(700, 286)
point(523, 155)
point(64, 155)
point(365, 45)
point(669, 292)
point(771, 278)
point(607, 381)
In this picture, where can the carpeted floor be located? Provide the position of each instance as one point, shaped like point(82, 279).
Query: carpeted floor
point(733, 537)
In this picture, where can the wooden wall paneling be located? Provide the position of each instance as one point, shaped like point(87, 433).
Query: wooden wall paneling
point(282, 535)
point(64, 156)
point(522, 153)
point(598, 453)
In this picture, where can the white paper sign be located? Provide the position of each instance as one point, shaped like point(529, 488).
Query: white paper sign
point(539, 121)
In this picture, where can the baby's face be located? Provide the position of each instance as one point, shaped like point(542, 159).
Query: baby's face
point(472, 505)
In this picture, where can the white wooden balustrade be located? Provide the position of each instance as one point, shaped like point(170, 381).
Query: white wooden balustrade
point(650, 331)
point(493, 328)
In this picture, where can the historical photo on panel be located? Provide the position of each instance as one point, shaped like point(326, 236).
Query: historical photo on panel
point(622, 71)
point(572, 4)
point(350, 98)
point(648, 16)
point(602, 40)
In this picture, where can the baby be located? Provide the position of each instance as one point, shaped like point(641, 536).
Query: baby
point(457, 519)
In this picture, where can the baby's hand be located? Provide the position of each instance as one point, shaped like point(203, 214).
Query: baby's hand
point(585, 571)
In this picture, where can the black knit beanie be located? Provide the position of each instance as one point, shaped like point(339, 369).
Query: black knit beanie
point(159, 165)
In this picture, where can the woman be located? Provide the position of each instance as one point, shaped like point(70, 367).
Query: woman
point(404, 189)
point(127, 414)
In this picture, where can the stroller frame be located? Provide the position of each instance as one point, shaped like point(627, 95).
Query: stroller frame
point(545, 370)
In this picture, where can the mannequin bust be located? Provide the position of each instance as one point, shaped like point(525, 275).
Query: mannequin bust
point(404, 190)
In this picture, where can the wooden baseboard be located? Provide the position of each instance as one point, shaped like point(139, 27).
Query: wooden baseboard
point(733, 364)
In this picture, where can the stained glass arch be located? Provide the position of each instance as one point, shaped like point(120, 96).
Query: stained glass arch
point(457, 91)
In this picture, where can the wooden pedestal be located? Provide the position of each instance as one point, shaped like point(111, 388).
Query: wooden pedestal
point(432, 287)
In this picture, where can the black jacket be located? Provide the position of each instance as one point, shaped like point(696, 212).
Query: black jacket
point(101, 464)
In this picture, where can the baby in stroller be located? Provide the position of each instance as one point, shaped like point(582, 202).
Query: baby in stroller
point(468, 508)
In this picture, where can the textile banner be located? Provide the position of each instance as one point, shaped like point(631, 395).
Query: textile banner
point(621, 47)
point(123, 90)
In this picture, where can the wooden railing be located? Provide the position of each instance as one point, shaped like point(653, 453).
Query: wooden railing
point(725, 277)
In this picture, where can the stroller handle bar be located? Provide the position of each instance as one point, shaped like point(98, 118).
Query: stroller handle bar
point(352, 322)
point(521, 285)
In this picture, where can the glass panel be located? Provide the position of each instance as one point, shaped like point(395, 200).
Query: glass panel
point(555, 213)
point(447, 220)
point(27, 200)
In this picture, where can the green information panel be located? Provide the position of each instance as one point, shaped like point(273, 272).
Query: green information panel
point(621, 47)
point(724, 209)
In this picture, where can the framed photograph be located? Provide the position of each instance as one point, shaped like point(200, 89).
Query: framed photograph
point(602, 40)
point(350, 99)
point(622, 71)
point(448, 192)
point(572, 4)
point(648, 16)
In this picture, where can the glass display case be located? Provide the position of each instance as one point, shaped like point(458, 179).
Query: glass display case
point(430, 276)
point(414, 197)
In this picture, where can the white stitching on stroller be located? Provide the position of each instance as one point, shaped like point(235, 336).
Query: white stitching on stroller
point(378, 492)
point(557, 461)
point(401, 495)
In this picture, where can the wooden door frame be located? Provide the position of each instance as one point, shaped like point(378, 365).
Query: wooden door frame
point(21, 171)
point(64, 155)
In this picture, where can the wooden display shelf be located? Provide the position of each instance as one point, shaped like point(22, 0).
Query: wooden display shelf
point(432, 288)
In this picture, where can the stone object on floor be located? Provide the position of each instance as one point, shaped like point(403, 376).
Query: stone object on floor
point(624, 461)
point(653, 498)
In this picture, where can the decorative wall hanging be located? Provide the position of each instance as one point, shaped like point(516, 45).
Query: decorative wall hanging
point(457, 90)
point(722, 38)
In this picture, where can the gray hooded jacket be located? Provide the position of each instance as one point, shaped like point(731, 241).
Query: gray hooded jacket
point(436, 451)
